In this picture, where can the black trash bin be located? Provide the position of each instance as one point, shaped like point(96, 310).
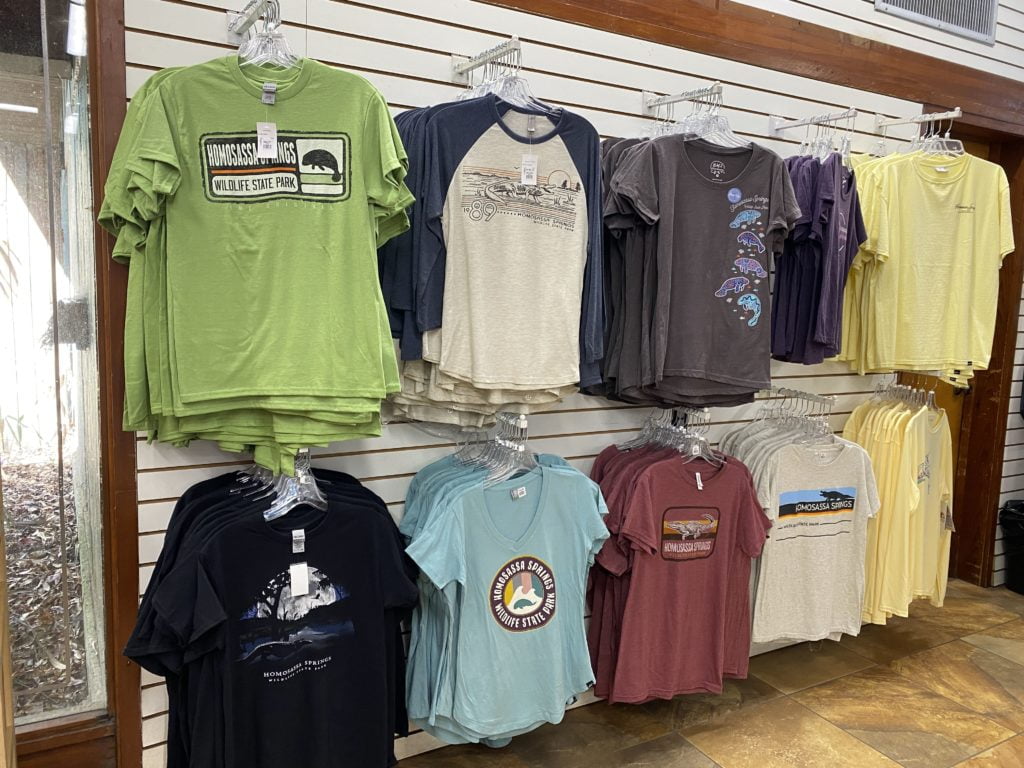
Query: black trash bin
point(1011, 518)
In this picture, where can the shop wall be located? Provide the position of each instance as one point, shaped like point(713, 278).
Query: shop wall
point(404, 50)
point(859, 17)
point(1012, 486)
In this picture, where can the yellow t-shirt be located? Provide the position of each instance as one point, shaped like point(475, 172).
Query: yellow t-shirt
point(942, 228)
point(935, 481)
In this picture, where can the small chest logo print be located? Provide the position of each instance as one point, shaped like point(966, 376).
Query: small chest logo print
point(965, 208)
point(523, 595)
point(689, 533)
point(308, 166)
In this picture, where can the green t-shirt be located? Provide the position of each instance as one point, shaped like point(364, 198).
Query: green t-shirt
point(271, 283)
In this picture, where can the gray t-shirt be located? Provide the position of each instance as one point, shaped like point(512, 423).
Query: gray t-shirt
point(811, 577)
point(722, 214)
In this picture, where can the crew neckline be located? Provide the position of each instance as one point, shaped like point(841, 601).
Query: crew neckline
point(507, 485)
point(714, 149)
point(924, 166)
point(499, 118)
point(288, 87)
point(808, 453)
point(688, 473)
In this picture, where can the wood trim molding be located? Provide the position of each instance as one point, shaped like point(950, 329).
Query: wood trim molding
point(983, 436)
point(750, 35)
point(120, 499)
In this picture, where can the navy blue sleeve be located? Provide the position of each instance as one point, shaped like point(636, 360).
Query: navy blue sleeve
point(450, 134)
point(584, 145)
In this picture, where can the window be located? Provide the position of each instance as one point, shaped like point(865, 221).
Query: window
point(49, 408)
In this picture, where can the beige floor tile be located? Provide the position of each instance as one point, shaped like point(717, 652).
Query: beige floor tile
point(1007, 640)
point(695, 709)
point(962, 615)
point(914, 726)
point(468, 756)
point(1000, 596)
point(801, 666)
point(671, 751)
point(1009, 754)
point(898, 638)
point(782, 734)
point(979, 680)
point(586, 732)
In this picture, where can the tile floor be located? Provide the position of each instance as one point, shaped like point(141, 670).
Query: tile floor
point(942, 688)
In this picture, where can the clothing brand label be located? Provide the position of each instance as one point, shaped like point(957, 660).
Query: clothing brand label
point(523, 595)
point(717, 169)
point(689, 533)
point(300, 166)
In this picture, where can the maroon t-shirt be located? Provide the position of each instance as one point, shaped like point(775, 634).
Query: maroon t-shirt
point(694, 529)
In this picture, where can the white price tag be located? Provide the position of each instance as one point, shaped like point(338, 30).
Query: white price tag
point(299, 579)
point(266, 140)
point(700, 483)
point(529, 167)
point(298, 541)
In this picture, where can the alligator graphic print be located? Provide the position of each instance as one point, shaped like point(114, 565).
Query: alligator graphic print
point(316, 167)
point(689, 533)
point(490, 192)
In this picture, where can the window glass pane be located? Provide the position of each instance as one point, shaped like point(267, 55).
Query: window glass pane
point(49, 407)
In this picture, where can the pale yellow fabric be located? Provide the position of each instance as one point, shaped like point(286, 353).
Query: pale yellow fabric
point(935, 480)
point(942, 229)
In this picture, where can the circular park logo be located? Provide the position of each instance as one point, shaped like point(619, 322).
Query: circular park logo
point(523, 595)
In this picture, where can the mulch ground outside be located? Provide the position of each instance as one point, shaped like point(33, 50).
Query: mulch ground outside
point(44, 587)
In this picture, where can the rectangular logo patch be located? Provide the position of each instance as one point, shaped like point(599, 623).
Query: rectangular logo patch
point(689, 533)
point(308, 166)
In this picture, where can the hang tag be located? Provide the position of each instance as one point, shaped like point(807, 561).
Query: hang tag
point(518, 493)
point(700, 483)
point(266, 141)
point(298, 541)
point(529, 175)
point(269, 93)
point(948, 515)
point(299, 579)
point(531, 123)
point(695, 449)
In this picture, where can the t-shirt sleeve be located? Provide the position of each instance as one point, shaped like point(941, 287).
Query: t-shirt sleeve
point(397, 590)
point(785, 211)
point(596, 531)
point(154, 164)
point(639, 524)
point(1005, 221)
point(754, 524)
point(870, 487)
point(384, 165)
point(440, 548)
point(188, 607)
point(635, 184)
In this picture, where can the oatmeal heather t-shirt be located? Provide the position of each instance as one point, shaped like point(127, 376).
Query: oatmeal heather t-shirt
point(694, 529)
point(723, 214)
point(811, 579)
point(521, 258)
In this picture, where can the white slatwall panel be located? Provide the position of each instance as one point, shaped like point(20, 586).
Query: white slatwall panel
point(858, 17)
point(1012, 486)
point(404, 50)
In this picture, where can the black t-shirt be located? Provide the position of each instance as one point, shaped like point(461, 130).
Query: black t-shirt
point(303, 679)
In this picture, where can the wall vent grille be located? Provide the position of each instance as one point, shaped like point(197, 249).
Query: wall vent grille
point(973, 19)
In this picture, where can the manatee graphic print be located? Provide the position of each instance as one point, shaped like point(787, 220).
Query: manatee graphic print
point(732, 285)
point(745, 217)
point(321, 159)
point(751, 267)
point(751, 303)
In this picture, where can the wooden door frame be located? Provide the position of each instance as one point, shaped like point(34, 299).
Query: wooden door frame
point(979, 471)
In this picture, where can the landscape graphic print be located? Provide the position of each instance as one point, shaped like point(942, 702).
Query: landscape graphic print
point(489, 192)
point(815, 513)
point(298, 630)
